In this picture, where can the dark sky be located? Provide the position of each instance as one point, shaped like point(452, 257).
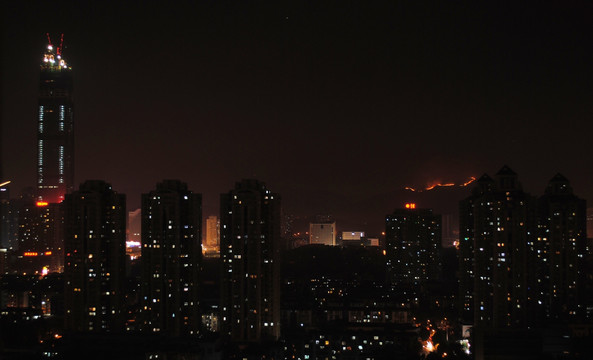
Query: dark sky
point(335, 105)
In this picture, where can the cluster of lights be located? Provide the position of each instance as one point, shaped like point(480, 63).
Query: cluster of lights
point(34, 253)
point(51, 59)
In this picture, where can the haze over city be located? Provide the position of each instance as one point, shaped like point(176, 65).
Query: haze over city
point(295, 180)
point(333, 105)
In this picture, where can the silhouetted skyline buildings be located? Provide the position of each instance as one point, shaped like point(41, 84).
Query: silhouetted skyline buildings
point(521, 257)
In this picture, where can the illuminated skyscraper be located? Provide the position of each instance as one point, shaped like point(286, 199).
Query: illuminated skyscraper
point(95, 236)
point(249, 249)
point(413, 246)
point(55, 127)
point(171, 259)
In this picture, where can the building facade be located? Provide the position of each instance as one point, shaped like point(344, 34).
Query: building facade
point(323, 233)
point(95, 235)
point(212, 233)
point(55, 127)
point(413, 246)
point(521, 258)
point(171, 259)
point(249, 249)
point(497, 248)
point(562, 235)
point(40, 237)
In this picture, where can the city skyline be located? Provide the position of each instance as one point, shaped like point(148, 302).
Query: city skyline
point(338, 109)
point(375, 121)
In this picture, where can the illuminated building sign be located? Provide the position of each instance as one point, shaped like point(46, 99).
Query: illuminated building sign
point(42, 203)
point(34, 253)
point(410, 206)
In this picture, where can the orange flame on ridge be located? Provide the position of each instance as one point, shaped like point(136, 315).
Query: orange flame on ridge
point(439, 184)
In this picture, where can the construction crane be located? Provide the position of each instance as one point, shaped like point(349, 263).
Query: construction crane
point(59, 49)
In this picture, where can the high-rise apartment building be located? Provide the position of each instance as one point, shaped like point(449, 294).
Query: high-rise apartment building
point(413, 246)
point(95, 235)
point(521, 259)
point(498, 228)
point(562, 235)
point(249, 249)
point(171, 259)
point(55, 127)
point(484, 187)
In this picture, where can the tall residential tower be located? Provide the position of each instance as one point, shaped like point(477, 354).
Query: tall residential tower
point(562, 233)
point(499, 253)
point(249, 249)
point(95, 247)
point(171, 259)
point(413, 246)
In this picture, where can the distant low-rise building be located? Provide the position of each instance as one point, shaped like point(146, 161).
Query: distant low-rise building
point(323, 233)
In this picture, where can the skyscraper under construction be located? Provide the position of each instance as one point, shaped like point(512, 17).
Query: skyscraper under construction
point(55, 130)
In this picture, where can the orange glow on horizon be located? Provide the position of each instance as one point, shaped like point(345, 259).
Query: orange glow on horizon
point(437, 183)
point(471, 180)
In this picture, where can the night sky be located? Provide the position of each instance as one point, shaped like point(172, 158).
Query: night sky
point(335, 105)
